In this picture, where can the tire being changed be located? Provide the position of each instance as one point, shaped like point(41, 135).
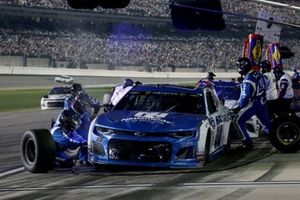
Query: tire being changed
point(285, 135)
point(37, 150)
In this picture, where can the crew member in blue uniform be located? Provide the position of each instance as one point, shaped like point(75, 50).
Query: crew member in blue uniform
point(86, 106)
point(252, 99)
point(76, 91)
point(70, 145)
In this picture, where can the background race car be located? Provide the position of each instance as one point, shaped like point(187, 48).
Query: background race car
point(64, 79)
point(55, 98)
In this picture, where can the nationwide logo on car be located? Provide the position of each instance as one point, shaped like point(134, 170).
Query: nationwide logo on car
point(152, 117)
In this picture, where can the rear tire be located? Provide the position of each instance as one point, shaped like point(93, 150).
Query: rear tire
point(37, 150)
point(285, 135)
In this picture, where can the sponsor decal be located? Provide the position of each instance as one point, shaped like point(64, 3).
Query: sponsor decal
point(257, 51)
point(276, 55)
point(151, 117)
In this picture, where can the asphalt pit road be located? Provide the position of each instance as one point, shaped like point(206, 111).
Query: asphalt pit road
point(235, 158)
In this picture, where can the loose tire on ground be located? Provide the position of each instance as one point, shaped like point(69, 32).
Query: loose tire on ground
point(285, 135)
point(37, 150)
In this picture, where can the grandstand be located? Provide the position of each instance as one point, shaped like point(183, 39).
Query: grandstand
point(33, 35)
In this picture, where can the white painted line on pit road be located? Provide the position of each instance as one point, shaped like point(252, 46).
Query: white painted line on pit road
point(10, 172)
point(8, 117)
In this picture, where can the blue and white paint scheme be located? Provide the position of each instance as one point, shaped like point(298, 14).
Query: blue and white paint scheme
point(180, 127)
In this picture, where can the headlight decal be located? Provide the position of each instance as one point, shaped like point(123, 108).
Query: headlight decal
point(100, 131)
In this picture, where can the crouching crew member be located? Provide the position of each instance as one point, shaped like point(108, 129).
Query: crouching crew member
point(70, 145)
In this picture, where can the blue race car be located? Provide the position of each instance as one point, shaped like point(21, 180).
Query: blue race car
point(161, 126)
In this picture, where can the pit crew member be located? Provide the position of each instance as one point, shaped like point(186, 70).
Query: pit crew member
point(285, 89)
point(120, 91)
point(270, 79)
point(77, 91)
point(66, 137)
point(296, 74)
point(251, 101)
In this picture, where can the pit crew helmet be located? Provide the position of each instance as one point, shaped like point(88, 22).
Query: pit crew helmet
point(127, 82)
point(244, 65)
point(80, 104)
point(210, 76)
point(265, 66)
point(69, 120)
point(278, 72)
point(76, 87)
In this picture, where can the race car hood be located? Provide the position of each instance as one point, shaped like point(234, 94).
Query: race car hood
point(149, 121)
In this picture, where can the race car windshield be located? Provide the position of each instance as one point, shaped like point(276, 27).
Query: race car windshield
point(60, 91)
point(162, 102)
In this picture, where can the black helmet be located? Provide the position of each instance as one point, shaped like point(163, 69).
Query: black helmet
point(265, 66)
point(80, 104)
point(244, 65)
point(210, 76)
point(76, 87)
point(128, 82)
point(69, 120)
point(278, 72)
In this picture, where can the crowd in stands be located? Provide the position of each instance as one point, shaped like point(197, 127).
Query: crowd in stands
point(203, 50)
point(206, 52)
point(160, 8)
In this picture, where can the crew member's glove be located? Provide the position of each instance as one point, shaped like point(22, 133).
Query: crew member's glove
point(236, 109)
point(84, 144)
point(240, 79)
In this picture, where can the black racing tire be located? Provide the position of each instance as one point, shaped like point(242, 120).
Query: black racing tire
point(206, 149)
point(285, 135)
point(37, 150)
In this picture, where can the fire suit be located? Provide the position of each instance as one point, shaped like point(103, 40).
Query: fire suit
point(252, 102)
point(285, 93)
point(69, 144)
point(86, 117)
point(271, 90)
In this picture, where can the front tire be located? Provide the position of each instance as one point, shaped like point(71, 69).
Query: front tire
point(37, 150)
point(285, 135)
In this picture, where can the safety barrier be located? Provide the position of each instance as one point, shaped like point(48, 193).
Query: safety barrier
point(107, 73)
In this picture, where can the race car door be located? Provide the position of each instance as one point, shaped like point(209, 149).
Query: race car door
point(215, 120)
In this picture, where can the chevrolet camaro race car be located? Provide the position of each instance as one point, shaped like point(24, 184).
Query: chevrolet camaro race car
point(55, 98)
point(162, 126)
point(152, 125)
